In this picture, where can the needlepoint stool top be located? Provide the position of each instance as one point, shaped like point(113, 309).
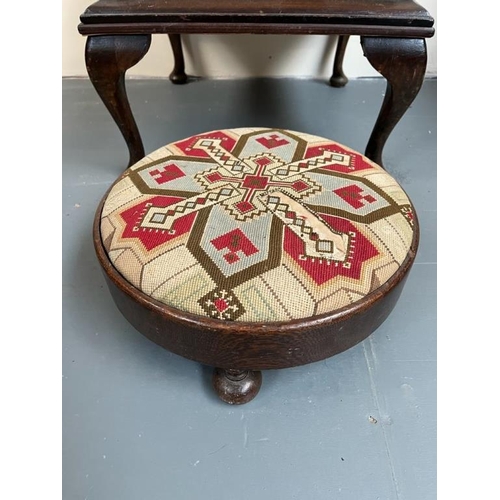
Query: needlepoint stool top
point(257, 225)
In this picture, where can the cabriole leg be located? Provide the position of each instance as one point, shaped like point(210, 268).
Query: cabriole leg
point(108, 58)
point(402, 61)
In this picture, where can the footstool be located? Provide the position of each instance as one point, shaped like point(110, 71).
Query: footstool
point(253, 249)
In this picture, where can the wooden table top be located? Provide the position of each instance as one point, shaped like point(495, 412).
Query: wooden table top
point(368, 17)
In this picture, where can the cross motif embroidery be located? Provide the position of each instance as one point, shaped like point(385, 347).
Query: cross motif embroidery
point(248, 187)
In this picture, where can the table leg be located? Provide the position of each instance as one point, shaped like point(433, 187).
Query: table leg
point(178, 75)
point(108, 58)
point(402, 61)
point(338, 78)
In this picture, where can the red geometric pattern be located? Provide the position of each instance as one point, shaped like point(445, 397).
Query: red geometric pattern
point(187, 145)
point(322, 271)
point(272, 141)
point(357, 163)
point(354, 196)
point(229, 225)
point(133, 216)
point(166, 174)
point(221, 304)
point(234, 241)
point(257, 174)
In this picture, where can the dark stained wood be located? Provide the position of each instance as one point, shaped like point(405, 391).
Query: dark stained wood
point(107, 59)
point(111, 22)
point(252, 346)
point(402, 62)
point(255, 28)
point(178, 75)
point(336, 17)
point(338, 78)
point(368, 12)
point(236, 387)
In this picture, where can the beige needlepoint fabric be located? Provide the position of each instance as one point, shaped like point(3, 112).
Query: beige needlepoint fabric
point(257, 225)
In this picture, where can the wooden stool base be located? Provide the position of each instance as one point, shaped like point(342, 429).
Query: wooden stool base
point(236, 387)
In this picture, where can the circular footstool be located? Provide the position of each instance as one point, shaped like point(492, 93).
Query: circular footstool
point(252, 249)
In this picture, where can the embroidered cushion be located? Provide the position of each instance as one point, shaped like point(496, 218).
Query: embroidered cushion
point(257, 225)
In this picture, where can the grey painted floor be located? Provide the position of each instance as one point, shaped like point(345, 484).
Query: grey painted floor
point(141, 423)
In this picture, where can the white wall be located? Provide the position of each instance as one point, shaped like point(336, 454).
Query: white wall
point(235, 56)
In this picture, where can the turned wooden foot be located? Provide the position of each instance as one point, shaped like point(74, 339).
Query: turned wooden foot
point(178, 76)
point(236, 387)
point(108, 58)
point(402, 61)
point(338, 78)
